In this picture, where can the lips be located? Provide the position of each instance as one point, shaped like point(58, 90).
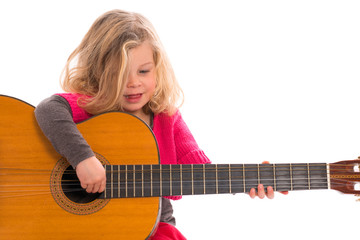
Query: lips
point(133, 98)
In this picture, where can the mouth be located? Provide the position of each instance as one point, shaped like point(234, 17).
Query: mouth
point(133, 96)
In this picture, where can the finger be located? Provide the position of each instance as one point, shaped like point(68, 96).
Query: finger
point(265, 162)
point(83, 185)
point(261, 191)
point(89, 188)
point(102, 187)
point(252, 193)
point(270, 192)
point(285, 192)
point(96, 187)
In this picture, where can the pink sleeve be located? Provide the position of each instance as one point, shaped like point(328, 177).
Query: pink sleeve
point(166, 231)
point(187, 150)
point(78, 113)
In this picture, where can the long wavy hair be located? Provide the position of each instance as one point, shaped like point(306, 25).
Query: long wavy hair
point(98, 67)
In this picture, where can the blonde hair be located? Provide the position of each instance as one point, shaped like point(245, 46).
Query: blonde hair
point(98, 67)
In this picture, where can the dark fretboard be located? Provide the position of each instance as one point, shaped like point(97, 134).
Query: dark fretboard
point(125, 181)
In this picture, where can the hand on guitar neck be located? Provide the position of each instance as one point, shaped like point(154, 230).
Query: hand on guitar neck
point(261, 193)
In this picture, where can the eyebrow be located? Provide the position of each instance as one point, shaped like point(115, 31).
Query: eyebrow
point(142, 65)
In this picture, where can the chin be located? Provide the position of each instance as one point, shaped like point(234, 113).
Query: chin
point(133, 111)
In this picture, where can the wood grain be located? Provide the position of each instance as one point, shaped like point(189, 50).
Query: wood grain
point(27, 207)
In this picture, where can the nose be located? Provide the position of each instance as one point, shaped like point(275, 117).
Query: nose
point(133, 82)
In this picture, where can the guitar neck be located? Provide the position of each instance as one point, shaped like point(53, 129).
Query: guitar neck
point(124, 181)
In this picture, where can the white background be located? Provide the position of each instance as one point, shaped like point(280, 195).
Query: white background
point(263, 80)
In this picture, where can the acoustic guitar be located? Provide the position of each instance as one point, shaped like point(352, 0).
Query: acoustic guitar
point(41, 197)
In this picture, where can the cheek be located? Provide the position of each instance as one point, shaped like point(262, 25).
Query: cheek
point(152, 85)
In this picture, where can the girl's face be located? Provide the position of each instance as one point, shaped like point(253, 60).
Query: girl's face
point(141, 82)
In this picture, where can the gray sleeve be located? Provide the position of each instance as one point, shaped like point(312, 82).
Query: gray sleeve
point(54, 117)
point(167, 212)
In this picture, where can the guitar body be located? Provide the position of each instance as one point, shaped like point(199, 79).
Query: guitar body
point(32, 202)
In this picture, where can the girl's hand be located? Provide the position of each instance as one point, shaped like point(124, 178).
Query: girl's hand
point(261, 190)
point(91, 175)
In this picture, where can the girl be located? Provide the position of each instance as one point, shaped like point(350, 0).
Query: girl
point(121, 65)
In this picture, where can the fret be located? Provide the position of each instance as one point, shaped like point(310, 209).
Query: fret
point(142, 180)
point(291, 183)
point(160, 174)
point(308, 175)
point(328, 176)
point(134, 182)
point(187, 183)
point(230, 178)
point(300, 176)
point(192, 179)
point(156, 184)
point(118, 181)
point(198, 178)
point(216, 179)
point(223, 178)
point(122, 182)
point(175, 180)
point(165, 180)
point(210, 178)
point(181, 181)
point(170, 172)
point(147, 174)
point(130, 180)
point(251, 176)
point(244, 180)
point(318, 176)
point(258, 170)
point(237, 178)
point(282, 173)
point(151, 176)
point(126, 182)
point(266, 175)
point(204, 179)
point(114, 181)
point(274, 172)
point(107, 177)
point(138, 181)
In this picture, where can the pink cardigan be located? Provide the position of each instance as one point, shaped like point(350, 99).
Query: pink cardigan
point(175, 141)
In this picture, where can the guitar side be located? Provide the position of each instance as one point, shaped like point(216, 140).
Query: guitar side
point(28, 209)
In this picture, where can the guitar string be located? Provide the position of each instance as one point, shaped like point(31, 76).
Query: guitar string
point(249, 164)
point(253, 182)
point(165, 170)
point(188, 180)
point(189, 190)
point(235, 185)
point(219, 166)
point(294, 174)
point(236, 182)
point(157, 184)
point(186, 187)
point(234, 172)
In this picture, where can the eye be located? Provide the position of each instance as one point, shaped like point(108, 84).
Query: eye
point(144, 71)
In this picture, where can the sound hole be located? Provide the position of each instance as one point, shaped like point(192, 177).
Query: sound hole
point(71, 187)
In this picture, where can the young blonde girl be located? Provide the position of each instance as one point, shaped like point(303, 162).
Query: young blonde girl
point(121, 65)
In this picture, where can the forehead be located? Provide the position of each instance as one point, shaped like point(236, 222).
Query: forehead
point(141, 54)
